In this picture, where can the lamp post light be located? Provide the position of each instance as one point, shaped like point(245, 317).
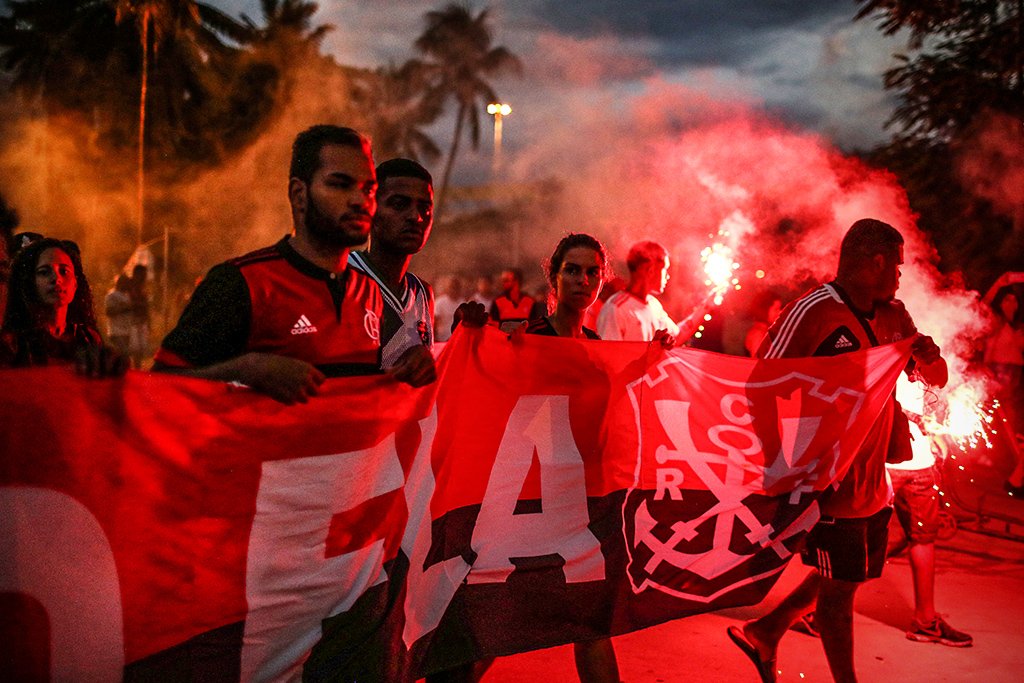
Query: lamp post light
point(498, 110)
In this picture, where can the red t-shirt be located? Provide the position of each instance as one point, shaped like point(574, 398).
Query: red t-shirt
point(275, 301)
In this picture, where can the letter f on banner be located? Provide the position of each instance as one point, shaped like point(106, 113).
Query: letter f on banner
point(537, 424)
point(292, 583)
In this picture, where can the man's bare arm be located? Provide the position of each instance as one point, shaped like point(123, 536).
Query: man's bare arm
point(287, 380)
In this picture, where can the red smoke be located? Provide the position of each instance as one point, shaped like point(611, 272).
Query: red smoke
point(673, 166)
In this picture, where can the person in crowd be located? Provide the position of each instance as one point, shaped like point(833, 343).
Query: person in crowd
point(512, 306)
point(9, 220)
point(1004, 356)
point(764, 310)
point(484, 292)
point(283, 318)
point(847, 546)
point(1004, 349)
point(400, 229)
point(5, 272)
point(118, 307)
point(49, 316)
point(576, 271)
point(916, 502)
point(138, 343)
point(917, 520)
point(444, 307)
point(635, 313)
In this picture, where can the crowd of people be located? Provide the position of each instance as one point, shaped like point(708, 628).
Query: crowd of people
point(316, 304)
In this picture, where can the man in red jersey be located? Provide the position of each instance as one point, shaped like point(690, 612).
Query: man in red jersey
point(847, 547)
point(283, 318)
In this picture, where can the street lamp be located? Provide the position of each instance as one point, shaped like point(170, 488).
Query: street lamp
point(498, 110)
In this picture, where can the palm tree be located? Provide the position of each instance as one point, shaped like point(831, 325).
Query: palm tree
point(286, 38)
point(52, 46)
point(167, 19)
point(397, 98)
point(80, 54)
point(460, 56)
point(287, 23)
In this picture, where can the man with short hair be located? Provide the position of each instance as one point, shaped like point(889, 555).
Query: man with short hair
point(283, 318)
point(400, 229)
point(512, 306)
point(847, 546)
point(484, 291)
point(635, 313)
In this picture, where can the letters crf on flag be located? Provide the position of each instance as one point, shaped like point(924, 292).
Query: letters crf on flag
point(540, 492)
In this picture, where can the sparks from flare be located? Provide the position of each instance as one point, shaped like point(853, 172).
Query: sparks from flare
point(967, 421)
point(720, 268)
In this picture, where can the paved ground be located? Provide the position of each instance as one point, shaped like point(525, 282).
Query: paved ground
point(979, 586)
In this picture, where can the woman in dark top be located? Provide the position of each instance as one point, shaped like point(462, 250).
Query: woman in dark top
point(576, 271)
point(49, 315)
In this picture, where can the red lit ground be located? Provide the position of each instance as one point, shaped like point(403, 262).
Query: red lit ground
point(979, 588)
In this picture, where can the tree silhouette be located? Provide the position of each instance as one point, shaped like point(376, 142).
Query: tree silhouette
point(75, 55)
point(959, 82)
point(157, 23)
point(400, 100)
point(287, 32)
point(964, 58)
point(163, 76)
point(459, 57)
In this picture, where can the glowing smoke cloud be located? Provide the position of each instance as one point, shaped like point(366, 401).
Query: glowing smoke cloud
point(790, 197)
point(991, 163)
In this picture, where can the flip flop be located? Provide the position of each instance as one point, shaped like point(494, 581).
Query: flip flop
point(765, 668)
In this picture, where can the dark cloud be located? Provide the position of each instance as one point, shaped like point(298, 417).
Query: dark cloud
point(724, 32)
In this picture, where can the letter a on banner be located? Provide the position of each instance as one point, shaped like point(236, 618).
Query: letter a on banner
point(537, 424)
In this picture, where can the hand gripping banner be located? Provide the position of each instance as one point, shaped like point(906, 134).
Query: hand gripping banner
point(542, 491)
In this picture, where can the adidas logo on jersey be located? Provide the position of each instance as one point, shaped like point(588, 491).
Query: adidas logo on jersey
point(843, 342)
point(303, 326)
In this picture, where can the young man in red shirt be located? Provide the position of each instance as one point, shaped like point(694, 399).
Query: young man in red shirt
point(847, 547)
point(283, 318)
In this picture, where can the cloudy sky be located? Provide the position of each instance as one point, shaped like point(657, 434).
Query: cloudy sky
point(804, 62)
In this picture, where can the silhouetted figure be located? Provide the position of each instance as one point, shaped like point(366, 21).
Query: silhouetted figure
point(120, 314)
point(512, 306)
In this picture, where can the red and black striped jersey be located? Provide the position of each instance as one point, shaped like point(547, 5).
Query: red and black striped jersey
point(275, 301)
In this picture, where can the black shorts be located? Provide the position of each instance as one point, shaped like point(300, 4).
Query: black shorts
point(849, 549)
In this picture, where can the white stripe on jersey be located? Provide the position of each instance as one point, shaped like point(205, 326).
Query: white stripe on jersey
point(398, 303)
point(792, 321)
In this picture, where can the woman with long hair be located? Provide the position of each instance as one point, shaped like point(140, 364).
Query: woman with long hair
point(49, 315)
point(576, 270)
